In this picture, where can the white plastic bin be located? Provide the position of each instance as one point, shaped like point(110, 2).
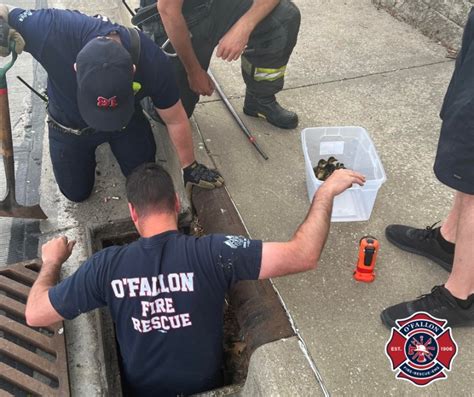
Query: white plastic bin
point(353, 147)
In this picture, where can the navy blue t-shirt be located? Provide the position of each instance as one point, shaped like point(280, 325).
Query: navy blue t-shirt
point(166, 296)
point(55, 37)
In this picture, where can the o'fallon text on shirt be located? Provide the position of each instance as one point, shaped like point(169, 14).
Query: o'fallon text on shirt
point(153, 286)
point(158, 314)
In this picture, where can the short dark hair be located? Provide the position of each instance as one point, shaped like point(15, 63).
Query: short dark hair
point(150, 188)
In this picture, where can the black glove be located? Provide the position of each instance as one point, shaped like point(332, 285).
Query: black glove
point(199, 175)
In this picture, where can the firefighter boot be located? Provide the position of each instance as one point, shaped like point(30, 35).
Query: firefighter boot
point(268, 108)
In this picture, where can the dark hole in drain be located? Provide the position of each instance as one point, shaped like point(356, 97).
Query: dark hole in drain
point(28, 346)
point(34, 267)
point(6, 311)
point(19, 279)
point(24, 368)
point(14, 295)
point(235, 361)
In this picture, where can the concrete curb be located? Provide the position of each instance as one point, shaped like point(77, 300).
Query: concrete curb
point(441, 20)
point(280, 369)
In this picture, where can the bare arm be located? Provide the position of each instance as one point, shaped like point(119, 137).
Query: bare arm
point(178, 33)
point(180, 132)
point(233, 43)
point(303, 251)
point(39, 310)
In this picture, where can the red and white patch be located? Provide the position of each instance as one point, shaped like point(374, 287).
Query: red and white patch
point(421, 349)
point(110, 103)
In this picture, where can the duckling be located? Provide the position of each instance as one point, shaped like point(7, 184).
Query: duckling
point(324, 169)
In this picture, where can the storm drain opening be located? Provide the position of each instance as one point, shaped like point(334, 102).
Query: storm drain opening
point(33, 361)
point(235, 370)
point(253, 314)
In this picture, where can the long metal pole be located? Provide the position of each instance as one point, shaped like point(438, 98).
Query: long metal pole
point(236, 116)
point(128, 8)
point(32, 89)
point(224, 99)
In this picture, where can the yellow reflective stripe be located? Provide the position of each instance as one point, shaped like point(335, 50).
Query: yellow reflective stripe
point(268, 74)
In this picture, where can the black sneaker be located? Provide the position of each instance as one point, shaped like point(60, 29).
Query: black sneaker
point(421, 242)
point(269, 109)
point(439, 303)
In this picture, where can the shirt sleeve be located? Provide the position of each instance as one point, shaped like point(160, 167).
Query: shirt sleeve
point(236, 257)
point(34, 26)
point(83, 291)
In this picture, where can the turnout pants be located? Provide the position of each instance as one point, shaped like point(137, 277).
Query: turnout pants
point(73, 156)
point(269, 48)
point(454, 164)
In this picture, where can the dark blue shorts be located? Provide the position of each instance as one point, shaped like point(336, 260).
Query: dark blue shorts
point(73, 157)
point(454, 164)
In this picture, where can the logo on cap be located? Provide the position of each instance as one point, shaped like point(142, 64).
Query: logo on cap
point(107, 102)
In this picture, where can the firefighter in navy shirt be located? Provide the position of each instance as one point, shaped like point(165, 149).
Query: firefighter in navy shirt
point(94, 90)
point(166, 291)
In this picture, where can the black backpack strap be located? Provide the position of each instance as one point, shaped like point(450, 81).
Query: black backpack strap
point(146, 14)
point(134, 45)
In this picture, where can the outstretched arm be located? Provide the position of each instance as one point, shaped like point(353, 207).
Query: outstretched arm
point(233, 43)
point(178, 33)
point(302, 252)
point(39, 310)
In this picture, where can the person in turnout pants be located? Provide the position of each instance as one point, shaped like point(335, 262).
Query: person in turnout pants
point(262, 33)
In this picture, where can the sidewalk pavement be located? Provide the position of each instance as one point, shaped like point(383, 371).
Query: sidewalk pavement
point(353, 65)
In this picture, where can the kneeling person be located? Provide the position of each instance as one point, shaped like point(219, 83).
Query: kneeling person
point(166, 291)
point(98, 72)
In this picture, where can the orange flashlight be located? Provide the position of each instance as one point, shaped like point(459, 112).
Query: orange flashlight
point(368, 249)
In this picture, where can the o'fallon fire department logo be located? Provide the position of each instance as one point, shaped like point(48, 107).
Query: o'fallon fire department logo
point(422, 349)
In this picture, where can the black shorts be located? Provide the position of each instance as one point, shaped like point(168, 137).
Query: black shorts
point(454, 164)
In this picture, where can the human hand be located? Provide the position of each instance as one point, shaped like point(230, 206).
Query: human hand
point(232, 44)
point(7, 34)
point(200, 82)
point(56, 251)
point(340, 180)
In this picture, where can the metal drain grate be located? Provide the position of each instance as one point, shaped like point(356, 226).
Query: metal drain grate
point(32, 360)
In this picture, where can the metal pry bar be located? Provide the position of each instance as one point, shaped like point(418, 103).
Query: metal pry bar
point(124, 2)
point(32, 89)
point(236, 116)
